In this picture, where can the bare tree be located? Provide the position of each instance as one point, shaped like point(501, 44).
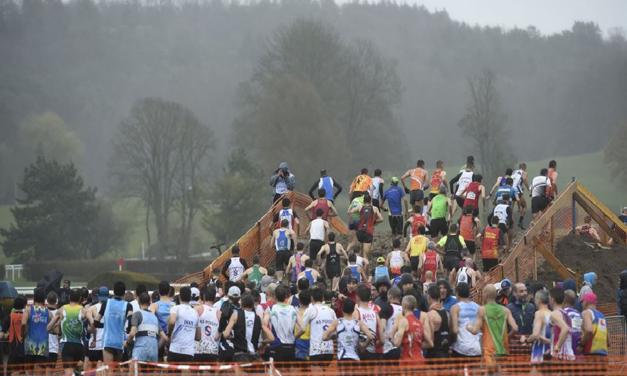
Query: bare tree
point(484, 123)
point(159, 149)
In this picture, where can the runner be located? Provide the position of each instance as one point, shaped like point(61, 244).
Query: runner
point(34, 322)
point(396, 259)
point(381, 270)
point(296, 263)
point(283, 240)
point(254, 273)
point(282, 181)
point(440, 210)
point(416, 247)
point(302, 344)
point(415, 221)
point(348, 330)
point(246, 331)
point(53, 339)
point(595, 341)
point(361, 185)
point(355, 270)
point(438, 179)
point(377, 190)
point(115, 312)
point(452, 244)
point(394, 195)
point(462, 180)
point(94, 352)
point(552, 175)
point(408, 333)
point(319, 317)
point(387, 319)
point(287, 213)
point(503, 212)
point(327, 183)
point(469, 227)
point(507, 188)
point(162, 309)
point(561, 338)
point(318, 230)
point(439, 320)
point(332, 252)
point(541, 335)
point(369, 216)
point(184, 330)
point(540, 190)
point(419, 182)
point(492, 321)
point(467, 274)
point(520, 184)
point(309, 274)
point(12, 330)
point(146, 335)
point(501, 181)
point(283, 319)
point(208, 322)
point(353, 220)
point(467, 345)
point(69, 318)
point(430, 261)
point(321, 203)
point(367, 313)
point(472, 193)
point(236, 265)
point(576, 320)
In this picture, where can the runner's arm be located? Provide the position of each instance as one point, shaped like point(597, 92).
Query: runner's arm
point(401, 328)
point(364, 277)
point(327, 335)
point(309, 208)
point(475, 328)
point(339, 189)
point(407, 225)
point(454, 318)
point(225, 267)
point(379, 216)
point(312, 189)
point(556, 318)
point(586, 327)
point(427, 338)
point(367, 333)
point(332, 210)
point(227, 331)
point(495, 186)
point(453, 182)
point(537, 334)
point(405, 175)
point(24, 325)
point(427, 181)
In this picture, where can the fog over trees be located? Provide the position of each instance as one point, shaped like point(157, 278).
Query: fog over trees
point(313, 83)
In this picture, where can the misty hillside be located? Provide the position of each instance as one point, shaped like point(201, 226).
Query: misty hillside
point(89, 62)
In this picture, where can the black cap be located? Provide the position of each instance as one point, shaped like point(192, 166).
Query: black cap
point(353, 279)
point(406, 279)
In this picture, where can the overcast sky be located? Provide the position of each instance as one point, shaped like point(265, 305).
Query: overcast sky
point(549, 16)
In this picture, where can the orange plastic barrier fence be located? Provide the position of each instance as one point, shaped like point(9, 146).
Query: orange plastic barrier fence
point(510, 365)
point(257, 240)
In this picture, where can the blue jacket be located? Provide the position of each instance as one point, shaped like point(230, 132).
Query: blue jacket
point(524, 316)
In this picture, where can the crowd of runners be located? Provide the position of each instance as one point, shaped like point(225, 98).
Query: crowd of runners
point(320, 301)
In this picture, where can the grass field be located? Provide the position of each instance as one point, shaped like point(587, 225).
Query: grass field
point(588, 169)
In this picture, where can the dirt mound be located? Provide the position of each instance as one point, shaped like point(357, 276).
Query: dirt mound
point(574, 253)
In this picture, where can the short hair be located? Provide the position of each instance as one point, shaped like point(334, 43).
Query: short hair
point(509, 171)
point(406, 269)
point(431, 245)
point(417, 209)
point(570, 297)
point(420, 163)
point(453, 227)
point(247, 301)
point(144, 298)
point(396, 243)
point(367, 199)
point(421, 230)
point(506, 197)
point(542, 296)
point(303, 284)
point(439, 164)
point(52, 298)
point(75, 295)
point(271, 290)
point(442, 189)
point(322, 192)
point(352, 257)
point(495, 220)
point(317, 294)
point(377, 172)
point(280, 293)
point(552, 164)
point(256, 259)
point(544, 172)
point(119, 288)
point(271, 271)
point(304, 297)
point(434, 292)
point(558, 295)
point(348, 307)
point(308, 263)
point(429, 274)
point(140, 289)
point(286, 202)
point(300, 246)
point(410, 302)
point(364, 171)
point(331, 236)
point(185, 294)
point(285, 223)
point(209, 294)
point(463, 290)
point(509, 181)
point(256, 296)
point(363, 293)
point(395, 292)
point(39, 296)
point(323, 172)
point(235, 249)
point(468, 209)
point(251, 285)
point(319, 212)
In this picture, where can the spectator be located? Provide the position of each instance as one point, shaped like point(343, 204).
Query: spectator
point(522, 310)
point(447, 298)
point(64, 293)
point(282, 181)
point(589, 279)
point(622, 294)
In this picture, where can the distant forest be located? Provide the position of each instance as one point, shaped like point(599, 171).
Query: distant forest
point(89, 62)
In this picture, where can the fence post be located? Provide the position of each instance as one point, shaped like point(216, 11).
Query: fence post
point(535, 264)
point(553, 234)
point(516, 266)
point(502, 271)
point(574, 212)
